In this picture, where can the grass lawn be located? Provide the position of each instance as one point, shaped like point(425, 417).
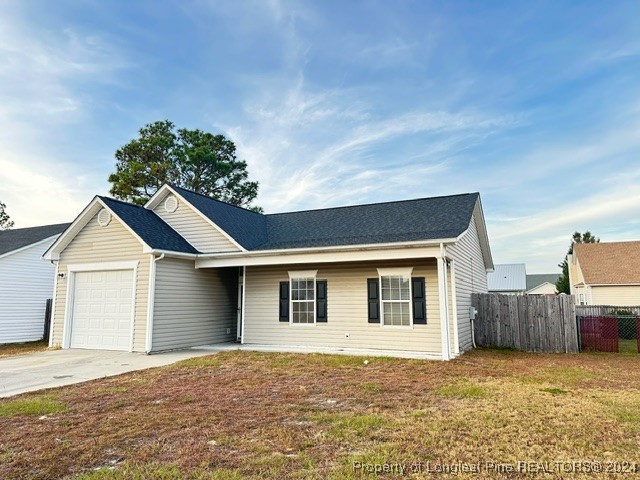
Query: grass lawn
point(263, 415)
point(628, 346)
point(11, 349)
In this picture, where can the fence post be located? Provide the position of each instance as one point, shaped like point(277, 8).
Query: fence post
point(47, 320)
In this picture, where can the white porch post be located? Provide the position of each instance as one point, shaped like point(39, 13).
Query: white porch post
point(454, 308)
point(444, 309)
point(244, 301)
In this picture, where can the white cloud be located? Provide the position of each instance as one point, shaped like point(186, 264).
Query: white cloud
point(313, 149)
point(45, 97)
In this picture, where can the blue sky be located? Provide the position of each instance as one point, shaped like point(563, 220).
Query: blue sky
point(536, 105)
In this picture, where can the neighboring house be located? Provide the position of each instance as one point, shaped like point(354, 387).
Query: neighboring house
point(508, 279)
point(542, 283)
point(26, 282)
point(605, 273)
point(187, 270)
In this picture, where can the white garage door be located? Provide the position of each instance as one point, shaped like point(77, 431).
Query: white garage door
point(102, 310)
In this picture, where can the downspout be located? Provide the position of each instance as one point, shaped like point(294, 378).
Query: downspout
point(151, 302)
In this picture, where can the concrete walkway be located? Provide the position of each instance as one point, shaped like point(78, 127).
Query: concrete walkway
point(35, 371)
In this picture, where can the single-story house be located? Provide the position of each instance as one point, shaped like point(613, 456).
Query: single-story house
point(542, 283)
point(508, 279)
point(605, 273)
point(26, 282)
point(187, 270)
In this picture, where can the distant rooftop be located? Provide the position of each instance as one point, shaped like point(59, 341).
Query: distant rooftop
point(610, 263)
point(536, 279)
point(16, 238)
point(508, 277)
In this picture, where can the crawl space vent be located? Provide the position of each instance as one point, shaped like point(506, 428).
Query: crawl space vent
point(104, 217)
point(171, 204)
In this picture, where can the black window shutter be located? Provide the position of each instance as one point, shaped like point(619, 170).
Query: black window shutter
point(321, 301)
point(284, 301)
point(373, 294)
point(419, 301)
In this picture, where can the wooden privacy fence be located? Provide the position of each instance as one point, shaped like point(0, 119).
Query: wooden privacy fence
point(533, 323)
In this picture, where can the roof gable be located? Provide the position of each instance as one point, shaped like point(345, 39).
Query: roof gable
point(143, 224)
point(236, 224)
point(148, 226)
point(610, 263)
point(18, 238)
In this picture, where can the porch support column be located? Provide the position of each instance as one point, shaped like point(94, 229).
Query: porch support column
point(454, 308)
point(444, 308)
point(244, 302)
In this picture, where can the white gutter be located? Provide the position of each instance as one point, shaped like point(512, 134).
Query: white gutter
point(338, 248)
point(171, 254)
point(151, 301)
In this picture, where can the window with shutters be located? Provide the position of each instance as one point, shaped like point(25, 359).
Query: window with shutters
point(303, 297)
point(396, 299)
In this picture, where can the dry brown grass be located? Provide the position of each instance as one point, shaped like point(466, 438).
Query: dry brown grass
point(11, 349)
point(258, 415)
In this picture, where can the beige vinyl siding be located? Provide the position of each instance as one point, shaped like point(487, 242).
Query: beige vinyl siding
point(193, 307)
point(619, 295)
point(544, 289)
point(96, 244)
point(194, 229)
point(346, 309)
point(471, 277)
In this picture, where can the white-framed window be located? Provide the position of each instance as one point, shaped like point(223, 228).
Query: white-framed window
point(302, 297)
point(395, 297)
point(581, 297)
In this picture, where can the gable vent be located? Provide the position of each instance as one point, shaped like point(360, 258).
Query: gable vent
point(171, 204)
point(104, 217)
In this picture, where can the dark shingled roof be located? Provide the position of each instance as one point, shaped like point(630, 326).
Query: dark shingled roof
point(401, 221)
point(11, 240)
point(245, 227)
point(149, 227)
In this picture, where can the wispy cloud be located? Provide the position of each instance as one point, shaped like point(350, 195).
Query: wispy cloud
point(315, 148)
point(43, 90)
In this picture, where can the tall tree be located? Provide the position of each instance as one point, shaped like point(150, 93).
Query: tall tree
point(192, 159)
point(562, 285)
point(5, 221)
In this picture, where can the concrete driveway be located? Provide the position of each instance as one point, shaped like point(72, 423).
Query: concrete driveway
point(26, 373)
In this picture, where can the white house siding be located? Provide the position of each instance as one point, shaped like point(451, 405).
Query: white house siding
point(26, 282)
point(96, 244)
point(346, 309)
point(623, 295)
point(193, 307)
point(195, 229)
point(471, 277)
